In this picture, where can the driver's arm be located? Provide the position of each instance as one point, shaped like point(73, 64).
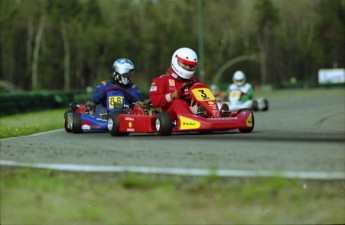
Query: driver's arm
point(134, 94)
point(160, 94)
point(99, 94)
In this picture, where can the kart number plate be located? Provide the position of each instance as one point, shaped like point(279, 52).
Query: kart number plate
point(114, 100)
point(203, 94)
point(235, 94)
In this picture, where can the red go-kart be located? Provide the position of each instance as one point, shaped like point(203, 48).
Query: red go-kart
point(145, 119)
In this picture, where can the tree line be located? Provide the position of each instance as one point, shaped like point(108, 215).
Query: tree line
point(71, 44)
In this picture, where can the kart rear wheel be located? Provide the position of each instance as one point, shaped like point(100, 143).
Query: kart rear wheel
point(266, 105)
point(255, 105)
point(113, 124)
point(76, 123)
point(163, 124)
point(248, 129)
point(67, 120)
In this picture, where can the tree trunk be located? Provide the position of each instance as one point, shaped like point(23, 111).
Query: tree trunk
point(29, 46)
point(67, 55)
point(263, 46)
point(36, 53)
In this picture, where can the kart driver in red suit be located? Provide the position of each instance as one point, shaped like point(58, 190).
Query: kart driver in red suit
point(165, 94)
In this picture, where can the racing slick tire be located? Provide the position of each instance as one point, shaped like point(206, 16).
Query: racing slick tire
point(163, 124)
point(255, 105)
point(266, 105)
point(76, 123)
point(113, 124)
point(248, 129)
point(67, 120)
point(225, 110)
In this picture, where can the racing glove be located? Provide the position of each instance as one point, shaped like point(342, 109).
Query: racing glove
point(130, 97)
point(176, 94)
point(138, 103)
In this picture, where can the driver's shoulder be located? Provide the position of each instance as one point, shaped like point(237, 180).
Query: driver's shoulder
point(104, 82)
point(233, 87)
point(162, 79)
point(248, 86)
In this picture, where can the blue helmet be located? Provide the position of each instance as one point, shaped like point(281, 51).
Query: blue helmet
point(123, 70)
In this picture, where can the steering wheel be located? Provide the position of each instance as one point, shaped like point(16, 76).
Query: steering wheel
point(187, 86)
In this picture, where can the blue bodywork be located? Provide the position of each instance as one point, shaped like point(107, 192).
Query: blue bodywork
point(95, 119)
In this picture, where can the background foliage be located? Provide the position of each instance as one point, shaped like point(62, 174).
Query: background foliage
point(64, 44)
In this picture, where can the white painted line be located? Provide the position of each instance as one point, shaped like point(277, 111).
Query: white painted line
point(181, 171)
point(31, 135)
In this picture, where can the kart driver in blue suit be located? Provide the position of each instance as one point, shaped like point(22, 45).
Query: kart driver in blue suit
point(124, 91)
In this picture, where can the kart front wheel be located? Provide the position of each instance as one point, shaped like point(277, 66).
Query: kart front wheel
point(250, 120)
point(76, 123)
point(224, 110)
point(163, 124)
point(113, 124)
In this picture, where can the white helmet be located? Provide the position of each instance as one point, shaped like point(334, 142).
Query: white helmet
point(184, 62)
point(123, 70)
point(239, 78)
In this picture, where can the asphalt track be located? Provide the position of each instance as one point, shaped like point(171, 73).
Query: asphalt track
point(302, 135)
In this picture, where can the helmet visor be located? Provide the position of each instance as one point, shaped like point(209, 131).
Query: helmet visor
point(127, 75)
point(124, 78)
point(187, 66)
point(239, 82)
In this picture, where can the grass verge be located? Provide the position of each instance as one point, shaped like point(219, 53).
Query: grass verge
point(36, 196)
point(30, 123)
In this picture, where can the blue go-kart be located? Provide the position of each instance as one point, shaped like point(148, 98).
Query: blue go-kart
point(90, 117)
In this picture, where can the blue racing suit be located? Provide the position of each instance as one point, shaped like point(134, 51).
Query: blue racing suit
point(109, 93)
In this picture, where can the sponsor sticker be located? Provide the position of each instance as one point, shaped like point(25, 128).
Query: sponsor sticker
point(86, 125)
point(153, 88)
point(187, 123)
point(171, 82)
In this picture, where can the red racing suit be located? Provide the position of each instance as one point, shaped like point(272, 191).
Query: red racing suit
point(160, 94)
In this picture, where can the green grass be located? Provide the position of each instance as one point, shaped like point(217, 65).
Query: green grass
point(34, 196)
point(30, 123)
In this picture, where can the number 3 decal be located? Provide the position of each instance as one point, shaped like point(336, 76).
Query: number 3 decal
point(203, 94)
